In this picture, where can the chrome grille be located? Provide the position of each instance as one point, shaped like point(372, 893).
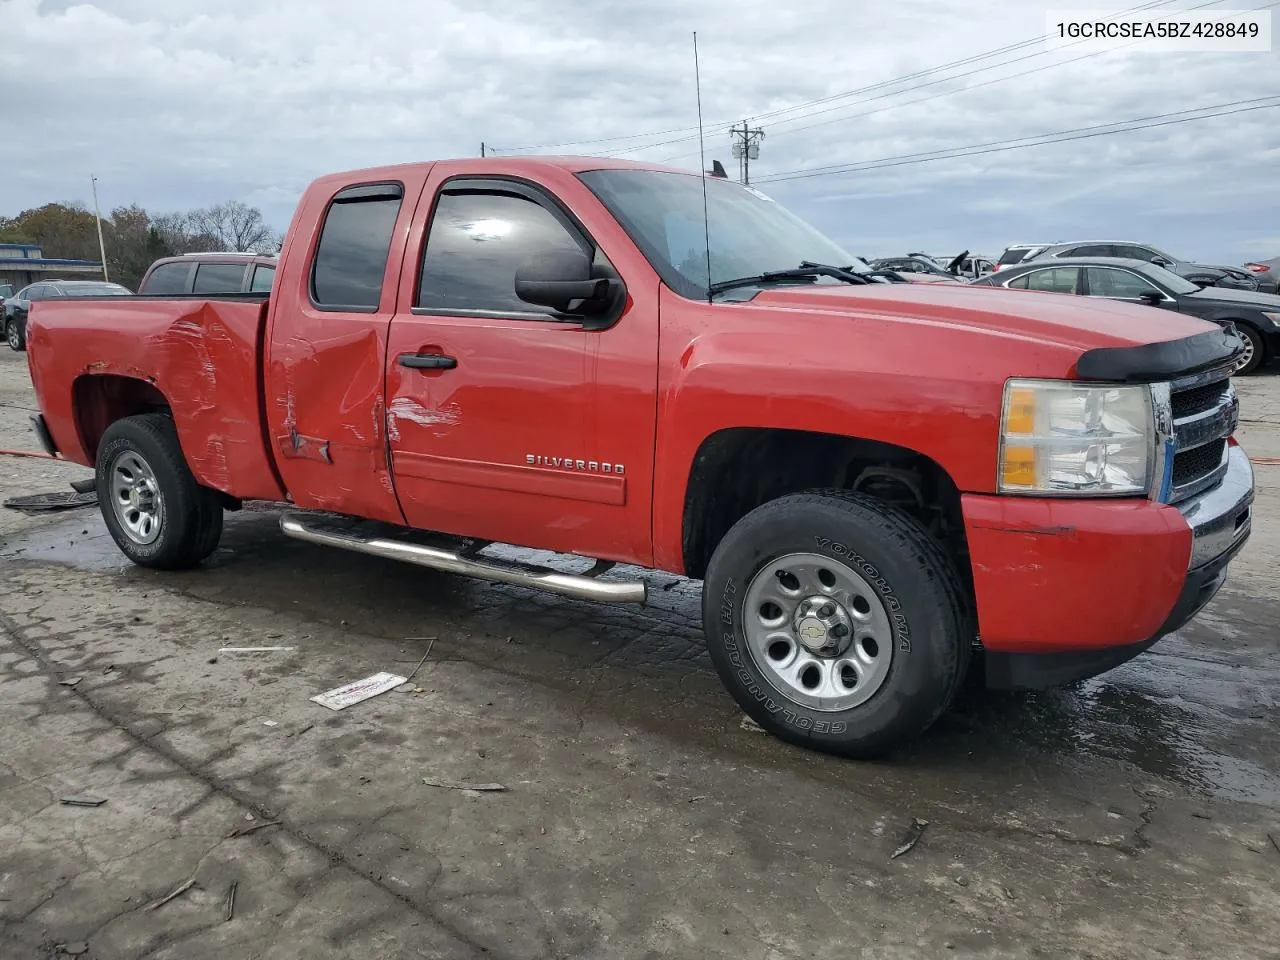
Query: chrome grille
point(1205, 413)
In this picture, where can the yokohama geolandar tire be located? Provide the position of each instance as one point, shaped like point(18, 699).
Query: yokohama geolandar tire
point(157, 513)
point(836, 622)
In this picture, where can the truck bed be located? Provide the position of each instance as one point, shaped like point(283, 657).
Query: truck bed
point(199, 355)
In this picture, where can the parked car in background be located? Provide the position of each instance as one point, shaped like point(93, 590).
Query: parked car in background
point(18, 306)
point(1015, 253)
point(917, 268)
point(212, 273)
point(1267, 273)
point(1201, 274)
point(969, 266)
point(1256, 316)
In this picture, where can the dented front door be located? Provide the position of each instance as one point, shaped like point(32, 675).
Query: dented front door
point(504, 422)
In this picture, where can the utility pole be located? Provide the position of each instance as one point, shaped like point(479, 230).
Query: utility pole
point(97, 215)
point(746, 147)
point(482, 148)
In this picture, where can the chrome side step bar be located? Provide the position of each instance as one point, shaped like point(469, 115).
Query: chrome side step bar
point(467, 562)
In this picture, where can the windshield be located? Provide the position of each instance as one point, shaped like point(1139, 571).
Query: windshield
point(750, 234)
point(1169, 280)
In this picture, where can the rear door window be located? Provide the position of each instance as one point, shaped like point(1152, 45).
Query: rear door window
point(263, 276)
point(351, 258)
point(213, 277)
point(168, 278)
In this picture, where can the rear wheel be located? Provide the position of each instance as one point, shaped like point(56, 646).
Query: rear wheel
point(14, 335)
point(1254, 350)
point(836, 622)
point(156, 512)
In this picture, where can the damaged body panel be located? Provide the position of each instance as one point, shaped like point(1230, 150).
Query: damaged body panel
point(126, 355)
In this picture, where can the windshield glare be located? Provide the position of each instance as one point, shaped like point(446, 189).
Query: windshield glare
point(750, 234)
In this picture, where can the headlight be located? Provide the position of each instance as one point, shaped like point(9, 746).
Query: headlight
point(1063, 438)
point(1273, 317)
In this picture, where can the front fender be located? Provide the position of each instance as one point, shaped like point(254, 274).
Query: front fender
point(938, 395)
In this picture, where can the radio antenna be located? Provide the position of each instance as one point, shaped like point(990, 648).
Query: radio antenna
point(702, 161)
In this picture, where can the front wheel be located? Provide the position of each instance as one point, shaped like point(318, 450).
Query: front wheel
point(13, 334)
point(156, 512)
point(836, 622)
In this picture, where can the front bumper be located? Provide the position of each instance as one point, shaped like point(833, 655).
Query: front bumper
point(1069, 589)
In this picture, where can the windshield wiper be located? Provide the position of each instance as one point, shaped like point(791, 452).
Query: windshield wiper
point(805, 271)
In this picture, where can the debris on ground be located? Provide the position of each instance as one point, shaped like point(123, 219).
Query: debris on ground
point(222, 650)
point(83, 800)
point(231, 901)
point(75, 948)
point(749, 724)
point(459, 785)
point(58, 500)
point(70, 682)
point(244, 831)
point(1274, 842)
point(415, 670)
point(696, 799)
point(298, 733)
point(910, 838)
point(339, 698)
point(177, 891)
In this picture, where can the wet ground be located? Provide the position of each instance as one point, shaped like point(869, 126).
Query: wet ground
point(1134, 815)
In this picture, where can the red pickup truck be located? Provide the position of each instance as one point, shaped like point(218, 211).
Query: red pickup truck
point(873, 480)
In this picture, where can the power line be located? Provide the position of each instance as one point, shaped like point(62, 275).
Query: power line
point(692, 131)
point(946, 93)
point(1043, 139)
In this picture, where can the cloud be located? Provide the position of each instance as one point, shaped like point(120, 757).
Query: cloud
point(180, 105)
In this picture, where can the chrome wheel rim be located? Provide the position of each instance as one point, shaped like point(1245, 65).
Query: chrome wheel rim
point(818, 632)
point(12, 333)
point(1247, 358)
point(135, 497)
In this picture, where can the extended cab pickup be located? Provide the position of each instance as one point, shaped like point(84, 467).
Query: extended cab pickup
point(875, 481)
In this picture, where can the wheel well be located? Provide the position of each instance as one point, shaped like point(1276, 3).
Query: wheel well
point(739, 469)
point(99, 400)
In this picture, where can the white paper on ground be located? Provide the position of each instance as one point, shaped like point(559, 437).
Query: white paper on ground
point(342, 697)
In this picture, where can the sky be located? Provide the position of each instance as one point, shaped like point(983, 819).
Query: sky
point(175, 104)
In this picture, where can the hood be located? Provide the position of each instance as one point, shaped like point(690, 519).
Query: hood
point(1242, 298)
point(954, 265)
point(1183, 267)
point(1052, 318)
point(1234, 271)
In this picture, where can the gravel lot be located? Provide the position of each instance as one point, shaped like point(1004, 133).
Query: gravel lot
point(1134, 816)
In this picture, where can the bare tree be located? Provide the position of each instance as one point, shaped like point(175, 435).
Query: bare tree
point(236, 226)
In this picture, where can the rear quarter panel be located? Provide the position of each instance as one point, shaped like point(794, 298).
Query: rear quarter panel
point(202, 355)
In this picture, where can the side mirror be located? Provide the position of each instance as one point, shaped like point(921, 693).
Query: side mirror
point(1152, 297)
point(559, 279)
point(1161, 262)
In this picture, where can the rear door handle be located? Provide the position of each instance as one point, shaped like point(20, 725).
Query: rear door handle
point(427, 361)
